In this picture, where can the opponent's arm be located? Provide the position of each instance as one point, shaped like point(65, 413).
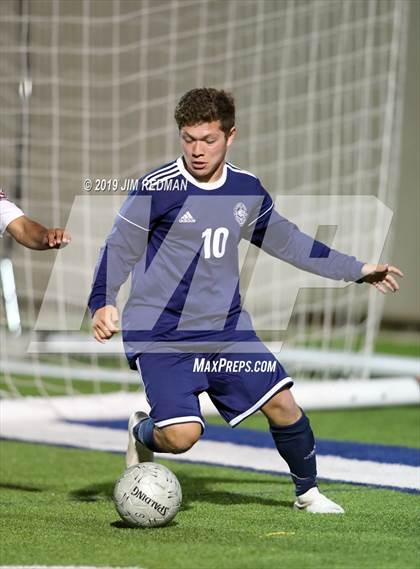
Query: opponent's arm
point(33, 235)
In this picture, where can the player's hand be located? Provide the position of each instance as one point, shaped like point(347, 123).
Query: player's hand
point(380, 276)
point(105, 323)
point(57, 238)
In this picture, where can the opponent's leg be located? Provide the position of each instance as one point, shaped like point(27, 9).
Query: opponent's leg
point(294, 439)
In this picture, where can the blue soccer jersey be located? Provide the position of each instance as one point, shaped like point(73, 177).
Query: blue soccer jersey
point(178, 238)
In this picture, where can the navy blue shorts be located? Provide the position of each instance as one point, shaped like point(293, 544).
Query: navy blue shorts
point(238, 383)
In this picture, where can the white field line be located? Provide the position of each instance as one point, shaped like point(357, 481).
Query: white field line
point(61, 567)
point(38, 421)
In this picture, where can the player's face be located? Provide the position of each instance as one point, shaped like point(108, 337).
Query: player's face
point(204, 147)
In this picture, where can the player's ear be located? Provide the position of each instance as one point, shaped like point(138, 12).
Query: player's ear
point(230, 137)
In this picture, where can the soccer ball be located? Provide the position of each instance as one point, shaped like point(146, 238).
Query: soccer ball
point(147, 495)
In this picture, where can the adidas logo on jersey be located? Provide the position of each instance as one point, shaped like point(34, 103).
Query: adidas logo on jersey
point(186, 218)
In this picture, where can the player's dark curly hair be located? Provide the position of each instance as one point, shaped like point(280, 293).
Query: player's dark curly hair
point(206, 105)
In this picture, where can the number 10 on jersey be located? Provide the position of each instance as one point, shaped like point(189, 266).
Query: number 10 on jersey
point(215, 242)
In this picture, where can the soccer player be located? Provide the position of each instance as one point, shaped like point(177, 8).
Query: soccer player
point(183, 326)
point(26, 231)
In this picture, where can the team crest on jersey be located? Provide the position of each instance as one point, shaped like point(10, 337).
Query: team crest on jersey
point(241, 213)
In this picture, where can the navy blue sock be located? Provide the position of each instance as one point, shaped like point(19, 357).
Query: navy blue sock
point(143, 432)
point(296, 444)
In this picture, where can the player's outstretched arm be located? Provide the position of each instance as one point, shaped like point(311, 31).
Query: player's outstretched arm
point(33, 235)
point(380, 276)
point(105, 323)
point(282, 239)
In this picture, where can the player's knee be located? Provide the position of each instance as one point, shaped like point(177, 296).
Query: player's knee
point(282, 408)
point(180, 438)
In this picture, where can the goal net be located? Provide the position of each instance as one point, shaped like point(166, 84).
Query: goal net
point(88, 89)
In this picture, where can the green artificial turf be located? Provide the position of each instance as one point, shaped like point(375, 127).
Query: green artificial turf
point(56, 508)
point(386, 425)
